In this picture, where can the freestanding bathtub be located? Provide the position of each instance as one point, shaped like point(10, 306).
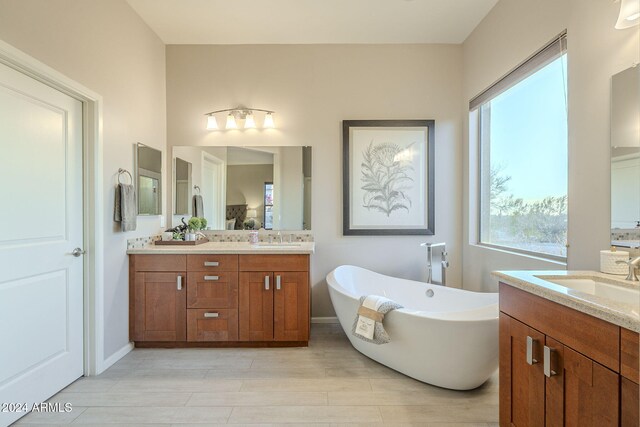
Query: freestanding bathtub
point(449, 339)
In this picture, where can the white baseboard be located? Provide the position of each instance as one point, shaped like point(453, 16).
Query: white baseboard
point(324, 320)
point(111, 360)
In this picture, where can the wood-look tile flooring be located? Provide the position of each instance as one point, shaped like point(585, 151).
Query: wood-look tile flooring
point(328, 383)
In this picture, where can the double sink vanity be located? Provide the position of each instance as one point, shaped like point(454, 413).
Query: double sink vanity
point(220, 294)
point(569, 344)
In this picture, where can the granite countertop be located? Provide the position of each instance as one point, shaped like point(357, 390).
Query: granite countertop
point(225, 248)
point(625, 314)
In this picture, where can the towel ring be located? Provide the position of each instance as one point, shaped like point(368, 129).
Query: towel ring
point(123, 171)
point(195, 187)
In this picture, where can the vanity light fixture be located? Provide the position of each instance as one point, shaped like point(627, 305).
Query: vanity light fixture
point(629, 15)
point(240, 118)
point(249, 122)
point(212, 124)
point(231, 122)
point(268, 121)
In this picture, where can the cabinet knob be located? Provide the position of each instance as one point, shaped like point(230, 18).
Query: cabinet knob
point(278, 282)
point(210, 315)
point(179, 282)
point(211, 278)
point(530, 358)
point(266, 283)
point(211, 263)
point(548, 354)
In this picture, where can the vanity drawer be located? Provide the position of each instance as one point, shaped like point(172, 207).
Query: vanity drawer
point(593, 337)
point(212, 325)
point(212, 290)
point(159, 262)
point(293, 262)
point(629, 360)
point(212, 262)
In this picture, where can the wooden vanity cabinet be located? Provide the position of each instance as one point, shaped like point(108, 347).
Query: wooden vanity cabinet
point(630, 377)
point(274, 298)
point(562, 367)
point(226, 299)
point(157, 298)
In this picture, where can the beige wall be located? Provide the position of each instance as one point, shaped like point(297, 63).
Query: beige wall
point(105, 46)
point(512, 31)
point(312, 89)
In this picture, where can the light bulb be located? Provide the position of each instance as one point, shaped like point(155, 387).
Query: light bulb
point(268, 121)
point(633, 17)
point(211, 123)
point(629, 14)
point(249, 122)
point(231, 122)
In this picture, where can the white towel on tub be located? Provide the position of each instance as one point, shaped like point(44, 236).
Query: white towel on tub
point(368, 323)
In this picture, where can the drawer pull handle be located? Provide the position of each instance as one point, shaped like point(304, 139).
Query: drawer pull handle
point(530, 359)
point(266, 283)
point(278, 282)
point(211, 278)
point(211, 263)
point(548, 372)
point(179, 283)
point(210, 315)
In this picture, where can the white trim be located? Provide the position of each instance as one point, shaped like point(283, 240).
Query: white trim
point(108, 362)
point(331, 320)
point(94, 362)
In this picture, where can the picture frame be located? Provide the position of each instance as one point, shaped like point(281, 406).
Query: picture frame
point(388, 177)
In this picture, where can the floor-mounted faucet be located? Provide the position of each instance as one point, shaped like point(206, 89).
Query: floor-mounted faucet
point(444, 263)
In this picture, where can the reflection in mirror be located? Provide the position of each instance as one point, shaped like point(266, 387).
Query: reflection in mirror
point(182, 187)
point(249, 188)
point(149, 180)
point(625, 158)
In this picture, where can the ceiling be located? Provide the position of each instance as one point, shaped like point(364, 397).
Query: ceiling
point(246, 156)
point(312, 21)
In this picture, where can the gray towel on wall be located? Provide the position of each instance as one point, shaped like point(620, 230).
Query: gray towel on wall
point(125, 209)
point(198, 206)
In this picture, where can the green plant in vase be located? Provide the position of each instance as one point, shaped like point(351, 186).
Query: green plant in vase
point(195, 224)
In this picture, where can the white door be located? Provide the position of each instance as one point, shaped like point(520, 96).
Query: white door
point(41, 290)
point(214, 191)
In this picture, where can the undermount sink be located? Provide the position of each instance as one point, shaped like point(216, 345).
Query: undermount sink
point(597, 288)
point(277, 245)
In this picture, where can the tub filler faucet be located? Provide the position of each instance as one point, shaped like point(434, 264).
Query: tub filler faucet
point(444, 262)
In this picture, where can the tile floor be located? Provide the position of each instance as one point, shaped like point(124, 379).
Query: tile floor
point(328, 383)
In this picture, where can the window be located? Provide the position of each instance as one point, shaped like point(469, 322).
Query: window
point(523, 159)
point(268, 205)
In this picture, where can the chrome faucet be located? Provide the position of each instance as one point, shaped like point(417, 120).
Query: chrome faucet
point(633, 264)
point(443, 265)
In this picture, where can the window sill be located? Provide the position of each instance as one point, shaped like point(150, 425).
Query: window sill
point(559, 261)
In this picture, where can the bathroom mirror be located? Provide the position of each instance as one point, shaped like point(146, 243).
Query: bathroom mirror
point(149, 180)
point(182, 186)
point(625, 158)
point(245, 188)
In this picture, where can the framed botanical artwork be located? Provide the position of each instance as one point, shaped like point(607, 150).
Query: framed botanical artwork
point(388, 170)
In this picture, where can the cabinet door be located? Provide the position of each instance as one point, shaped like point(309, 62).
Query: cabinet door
point(580, 392)
point(160, 307)
point(291, 306)
point(522, 384)
point(256, 306)
point(630, 396)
